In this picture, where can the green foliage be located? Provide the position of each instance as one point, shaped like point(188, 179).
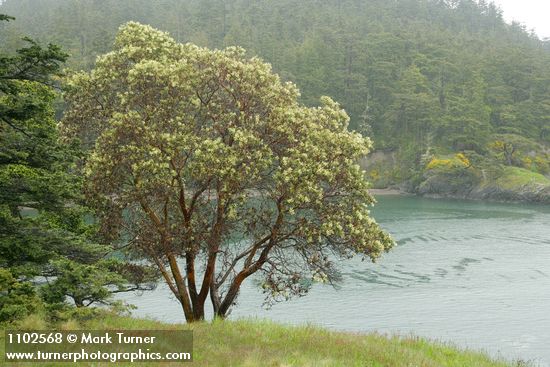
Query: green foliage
point(22, 98)
point(17, 299)
point(515, 178)
point(95, 282)
point(519, 151)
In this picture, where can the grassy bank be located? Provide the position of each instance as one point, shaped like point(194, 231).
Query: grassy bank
point(262, 343)
point(515, 178)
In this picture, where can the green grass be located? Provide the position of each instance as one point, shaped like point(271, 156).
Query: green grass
point(515, 178)
point(264, 343)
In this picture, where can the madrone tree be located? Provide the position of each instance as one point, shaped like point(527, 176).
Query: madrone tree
point(211, 167)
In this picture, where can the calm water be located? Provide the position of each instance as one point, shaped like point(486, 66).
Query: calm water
point(474, 274)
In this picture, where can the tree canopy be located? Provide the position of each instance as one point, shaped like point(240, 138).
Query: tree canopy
point(207, 159)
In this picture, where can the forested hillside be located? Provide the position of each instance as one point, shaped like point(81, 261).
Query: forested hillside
point(456, 100)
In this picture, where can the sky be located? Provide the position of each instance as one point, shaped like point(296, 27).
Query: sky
point(535, 14)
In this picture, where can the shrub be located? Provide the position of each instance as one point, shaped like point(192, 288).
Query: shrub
point(17, 299)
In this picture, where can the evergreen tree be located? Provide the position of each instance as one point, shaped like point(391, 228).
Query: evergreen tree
point(43, 230)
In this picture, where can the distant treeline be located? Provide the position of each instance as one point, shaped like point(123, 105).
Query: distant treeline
point(439, 76)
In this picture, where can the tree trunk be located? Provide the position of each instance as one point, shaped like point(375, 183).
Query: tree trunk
point(198, 311)
point(215, 298)
point(233, 292)
point(182, 289)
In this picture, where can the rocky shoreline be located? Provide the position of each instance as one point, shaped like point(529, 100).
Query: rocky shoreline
point(492, 192)
point(387, 192)
point(528, 193)
point(496, 194)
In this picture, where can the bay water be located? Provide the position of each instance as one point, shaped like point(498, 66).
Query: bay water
point(474, 274)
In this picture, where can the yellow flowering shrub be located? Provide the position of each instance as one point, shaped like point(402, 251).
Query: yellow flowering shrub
point(458, 161)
